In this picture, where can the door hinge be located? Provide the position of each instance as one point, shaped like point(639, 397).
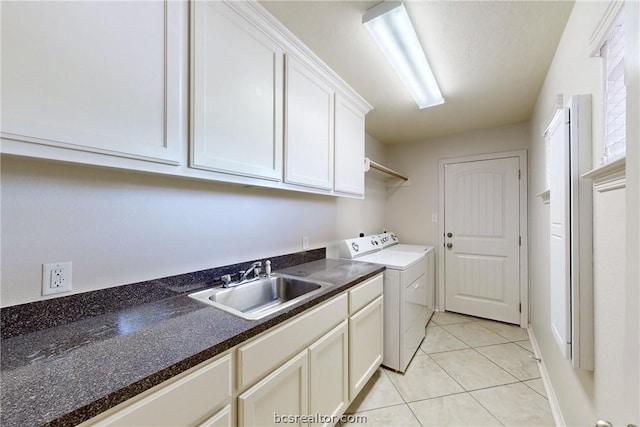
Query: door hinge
point(520, 240)
point(519, 174)
point(520, 307)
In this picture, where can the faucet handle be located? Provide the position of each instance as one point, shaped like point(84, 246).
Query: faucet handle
point(226, 279)
point(267, 268)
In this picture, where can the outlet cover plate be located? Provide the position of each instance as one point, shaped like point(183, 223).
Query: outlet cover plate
point(56, 278)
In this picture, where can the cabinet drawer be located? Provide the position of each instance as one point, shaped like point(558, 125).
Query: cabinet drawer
point(364, 293)
point(268, 351)
point(185, 402)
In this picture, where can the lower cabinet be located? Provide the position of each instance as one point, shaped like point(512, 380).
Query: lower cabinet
point(329, 375)
point(221, 419)
point(365, 345)
point(200, 396)
point(304, 372)
point(283, 393)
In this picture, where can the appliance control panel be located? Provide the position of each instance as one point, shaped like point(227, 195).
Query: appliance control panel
point(388, 239)
point(353, 248)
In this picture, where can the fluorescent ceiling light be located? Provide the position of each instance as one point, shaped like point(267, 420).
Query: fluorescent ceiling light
point(391, 28)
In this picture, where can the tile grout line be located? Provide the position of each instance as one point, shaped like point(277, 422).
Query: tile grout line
point(422, 352)
point(500, 367)
point(504, 369)
point(447, 372)
point(524, 382)
point(465, 390)
point(466, 343)
point(487, 409)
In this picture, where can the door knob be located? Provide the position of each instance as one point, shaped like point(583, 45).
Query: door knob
point(449, 245)
point(449, 235)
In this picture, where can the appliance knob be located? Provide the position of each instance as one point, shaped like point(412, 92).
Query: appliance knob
point(355, 247)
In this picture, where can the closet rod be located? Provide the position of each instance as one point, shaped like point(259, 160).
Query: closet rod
point(371, 164)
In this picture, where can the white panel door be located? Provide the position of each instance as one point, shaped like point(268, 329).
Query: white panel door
point(482, 231)
point(237, 93)
point(365, 345)
point(329, 373)
point(309, 128)
point(95, 76)
point(560, 243)
point(285, 392)
point(349, 148)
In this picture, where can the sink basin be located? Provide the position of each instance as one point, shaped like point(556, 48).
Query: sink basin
point(261, 297)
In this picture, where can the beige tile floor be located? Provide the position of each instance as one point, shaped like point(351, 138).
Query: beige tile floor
point(467, 372)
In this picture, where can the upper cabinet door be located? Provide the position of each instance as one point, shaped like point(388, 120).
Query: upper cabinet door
point(309, 128)
point(237, 91)
point(349, 148)
point(100, 76)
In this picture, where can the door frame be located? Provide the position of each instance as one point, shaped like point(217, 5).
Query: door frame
point(524, 225)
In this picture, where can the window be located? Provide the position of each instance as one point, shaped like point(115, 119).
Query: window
point(612, 54)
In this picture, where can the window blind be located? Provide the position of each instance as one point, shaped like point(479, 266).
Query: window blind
point(612, 52)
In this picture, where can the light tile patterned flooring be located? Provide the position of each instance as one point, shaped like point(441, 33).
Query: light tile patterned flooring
point(467, 372)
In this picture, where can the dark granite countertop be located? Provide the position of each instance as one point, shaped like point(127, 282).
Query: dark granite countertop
point(72, 372)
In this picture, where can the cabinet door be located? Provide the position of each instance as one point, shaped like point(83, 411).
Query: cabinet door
point(329, 373)
point(309, 128)
point(365, 345)
point(237, 92)
point(283, 393)
point(185, 402)
point(99, 76)
point(349, 148)
point(221, 419)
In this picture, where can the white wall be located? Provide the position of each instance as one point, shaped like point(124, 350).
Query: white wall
point(632, 344)
point(409, 207)
point(583, 396)
point(120, 227)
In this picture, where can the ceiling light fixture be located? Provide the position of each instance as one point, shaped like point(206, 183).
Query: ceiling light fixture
point(391, 28)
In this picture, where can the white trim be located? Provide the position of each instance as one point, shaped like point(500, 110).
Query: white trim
point(524, 221)
point(599, 35)
point(558, 418)
point(294, 47)
point(611, 176)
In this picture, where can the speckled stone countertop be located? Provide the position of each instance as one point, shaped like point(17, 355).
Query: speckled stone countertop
point(95, 363)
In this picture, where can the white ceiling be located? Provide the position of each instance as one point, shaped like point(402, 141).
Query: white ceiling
point(490, 59)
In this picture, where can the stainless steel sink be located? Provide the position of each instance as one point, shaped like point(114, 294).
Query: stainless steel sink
point(261, 297)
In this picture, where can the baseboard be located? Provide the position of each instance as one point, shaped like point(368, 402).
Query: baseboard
point(548, 387)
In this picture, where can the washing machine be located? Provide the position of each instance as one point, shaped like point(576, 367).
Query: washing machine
point(408, 293)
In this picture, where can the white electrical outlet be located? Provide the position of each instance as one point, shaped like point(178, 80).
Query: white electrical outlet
point(434, 217)
point(305, 242)
point(56, 278)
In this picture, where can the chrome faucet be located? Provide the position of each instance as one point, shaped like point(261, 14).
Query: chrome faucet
point(243, 276)
point(255, 267)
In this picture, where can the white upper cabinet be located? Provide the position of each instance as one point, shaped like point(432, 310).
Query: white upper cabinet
point(237, 91)
point(349, 148)
point(309, 127)
point(101, 77)
point(211, 90)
